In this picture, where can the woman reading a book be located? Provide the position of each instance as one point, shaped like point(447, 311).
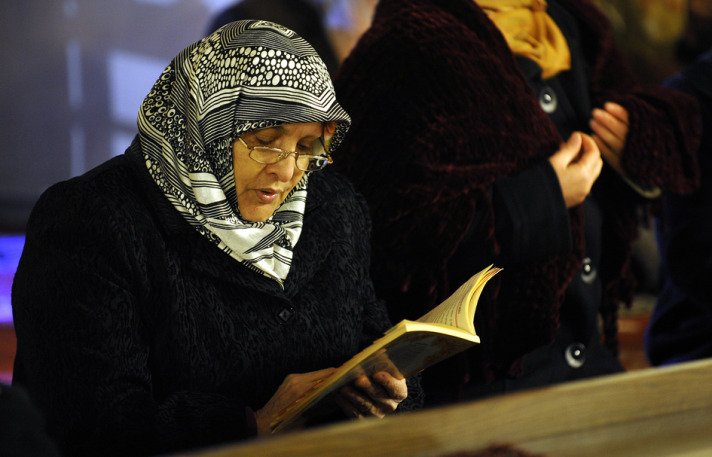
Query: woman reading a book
point(185, 293)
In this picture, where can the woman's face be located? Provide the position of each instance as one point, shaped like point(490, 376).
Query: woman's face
point(261, 188)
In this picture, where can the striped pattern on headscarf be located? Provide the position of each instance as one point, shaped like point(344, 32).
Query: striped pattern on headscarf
point(245, 76)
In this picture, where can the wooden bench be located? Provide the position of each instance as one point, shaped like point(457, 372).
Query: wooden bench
point(650, 412)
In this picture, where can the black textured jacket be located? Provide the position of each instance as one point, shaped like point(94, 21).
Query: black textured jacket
point(137, 336)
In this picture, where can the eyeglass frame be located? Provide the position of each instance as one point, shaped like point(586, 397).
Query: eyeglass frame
point(282, 154)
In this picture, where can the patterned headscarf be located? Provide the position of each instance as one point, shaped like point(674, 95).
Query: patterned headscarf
point(247, 75)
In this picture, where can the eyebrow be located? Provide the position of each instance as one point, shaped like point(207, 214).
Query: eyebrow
point(282, 129)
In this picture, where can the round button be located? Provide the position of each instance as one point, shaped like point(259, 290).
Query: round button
point(588, 271)
point(548, 100)
point(575, 355)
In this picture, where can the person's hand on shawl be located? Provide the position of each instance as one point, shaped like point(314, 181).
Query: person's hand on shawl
point(577, 164)
point(376, 395)
point(610, 129)
point(292, 388)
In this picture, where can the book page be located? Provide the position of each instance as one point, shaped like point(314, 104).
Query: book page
point(458, 310)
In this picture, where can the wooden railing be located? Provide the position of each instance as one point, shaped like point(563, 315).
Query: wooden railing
point(651, 412)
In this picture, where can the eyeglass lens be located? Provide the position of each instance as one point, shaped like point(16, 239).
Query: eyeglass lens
point(312, 161)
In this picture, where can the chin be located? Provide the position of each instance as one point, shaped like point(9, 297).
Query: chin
point(258, 215)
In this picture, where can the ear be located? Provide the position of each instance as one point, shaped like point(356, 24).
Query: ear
point(329, 129)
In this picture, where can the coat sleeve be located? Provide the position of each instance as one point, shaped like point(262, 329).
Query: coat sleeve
point(84, 344)
point(664, 126)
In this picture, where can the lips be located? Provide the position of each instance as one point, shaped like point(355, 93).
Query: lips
point(267, 195)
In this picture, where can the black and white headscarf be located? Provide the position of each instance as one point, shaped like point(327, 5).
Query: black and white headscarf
point(245, 76)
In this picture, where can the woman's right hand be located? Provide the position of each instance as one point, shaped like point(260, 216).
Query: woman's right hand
point(577, 164)
point(292, 388)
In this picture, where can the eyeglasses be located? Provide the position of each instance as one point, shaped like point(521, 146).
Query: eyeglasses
point(315, 161)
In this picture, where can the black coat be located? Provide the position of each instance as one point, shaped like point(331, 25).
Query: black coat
point(138, 336)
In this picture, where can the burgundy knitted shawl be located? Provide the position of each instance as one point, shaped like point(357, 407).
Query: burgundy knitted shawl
point(440, 110)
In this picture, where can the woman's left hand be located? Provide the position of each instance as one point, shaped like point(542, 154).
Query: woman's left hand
point(610, 129)
point(375, 395)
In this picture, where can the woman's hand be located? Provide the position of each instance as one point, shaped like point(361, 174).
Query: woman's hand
point(610, 129)
point(577, 164)
point(375, 396)
point(292, 388)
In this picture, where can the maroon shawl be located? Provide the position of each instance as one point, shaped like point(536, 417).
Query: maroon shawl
point(440, 111)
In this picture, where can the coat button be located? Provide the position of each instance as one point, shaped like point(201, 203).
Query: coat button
point(575, 355)
point(588, 271)
point(548, 100)
point(285, 315)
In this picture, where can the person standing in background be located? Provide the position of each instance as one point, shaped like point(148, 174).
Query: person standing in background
point(302, 16)
point(479, 129)
point(331, 26)
point(679, 326)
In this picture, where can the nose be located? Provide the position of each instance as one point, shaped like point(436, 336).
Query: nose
point(284, 169)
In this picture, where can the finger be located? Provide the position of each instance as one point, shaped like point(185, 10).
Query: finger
point(395, 388)
point(347, 407)
point(572, 147)
point(617, 110)
point(321, 374)
point(611, 158)
point(377, 397)
point(602, 146)
point(371, 397)
point(590, 163)
point(311, 377)
point(568, 152)
point(297, 384)
point(363, 404)
point(590, 148)
point(607, 139)
point(388, 392)
point(592, 155)
point(373, 390)
point(612, 129)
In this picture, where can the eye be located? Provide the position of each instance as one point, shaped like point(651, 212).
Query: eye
point(264, 141)
point(264, 137)
point(305, 149)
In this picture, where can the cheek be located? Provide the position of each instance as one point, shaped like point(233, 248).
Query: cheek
point(245, 173)
point(240, 182)
point(293, 183)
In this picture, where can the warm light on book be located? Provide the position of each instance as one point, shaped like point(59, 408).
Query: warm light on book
point(407, 348)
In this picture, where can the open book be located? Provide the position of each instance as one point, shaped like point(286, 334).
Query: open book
point(407, 348)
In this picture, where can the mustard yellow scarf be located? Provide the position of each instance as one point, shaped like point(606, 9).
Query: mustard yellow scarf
point(530, 32)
